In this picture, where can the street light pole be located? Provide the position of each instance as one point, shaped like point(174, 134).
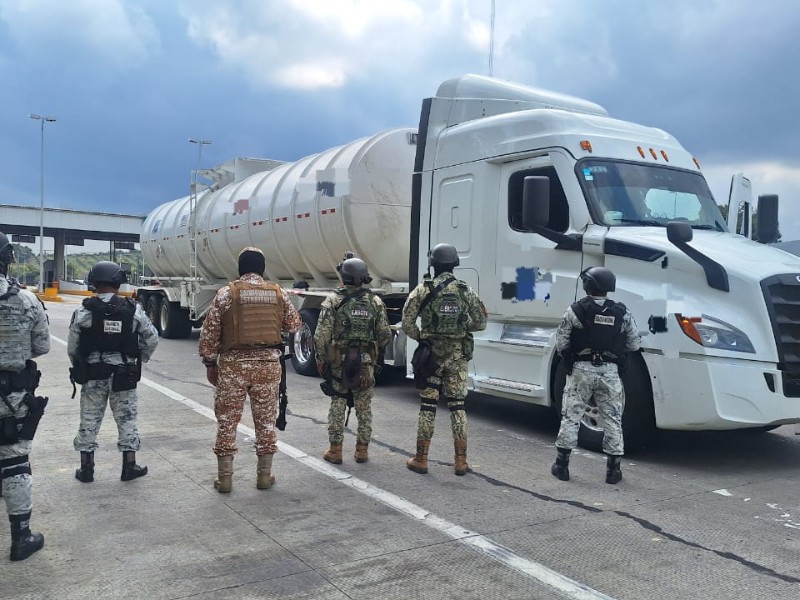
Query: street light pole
point(42, 119)
point(200, 144)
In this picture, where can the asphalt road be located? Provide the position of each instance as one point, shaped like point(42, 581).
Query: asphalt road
point(702, 515)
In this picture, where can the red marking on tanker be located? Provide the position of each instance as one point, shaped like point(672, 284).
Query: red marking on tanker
point(240, 206)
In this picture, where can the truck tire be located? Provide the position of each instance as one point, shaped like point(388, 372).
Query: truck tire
point(174, 321)
point(302, 344)
point(153, 310)
point(638, 420)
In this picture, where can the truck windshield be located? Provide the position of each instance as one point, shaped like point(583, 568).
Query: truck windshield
point(631, 194)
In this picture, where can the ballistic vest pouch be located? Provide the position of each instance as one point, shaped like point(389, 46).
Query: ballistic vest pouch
point(351, 368)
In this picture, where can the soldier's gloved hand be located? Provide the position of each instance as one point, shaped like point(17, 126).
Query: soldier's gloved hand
point(212, 374)
point(320, 368)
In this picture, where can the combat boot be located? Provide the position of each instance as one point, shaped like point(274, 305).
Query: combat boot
point(362, 454)
point(23, 542)
point(460, 465)
point(560, 468)
point(86, 472)
point(265, 478)
point(613, 469)
point(419, 464)
point(130, 470)
point(334, 454)
point(224, 481)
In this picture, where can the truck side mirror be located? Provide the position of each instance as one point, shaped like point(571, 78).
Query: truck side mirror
point(679, 232)
point(767, 226)
point(535, 202)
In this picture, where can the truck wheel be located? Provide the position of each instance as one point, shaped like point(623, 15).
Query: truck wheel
point(174, 321)
point(302, 343)
point(638, 420)
point(154, 312)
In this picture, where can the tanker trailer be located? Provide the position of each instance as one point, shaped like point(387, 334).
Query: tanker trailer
point(305, 216)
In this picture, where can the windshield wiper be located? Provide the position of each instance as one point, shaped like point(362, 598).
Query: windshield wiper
point(650, 222)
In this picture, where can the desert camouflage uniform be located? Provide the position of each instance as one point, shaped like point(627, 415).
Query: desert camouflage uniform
point(586, 379)
point(244, 371)
point(96, 393)
point(24, 334)
point(362, 398)
point(452, 355)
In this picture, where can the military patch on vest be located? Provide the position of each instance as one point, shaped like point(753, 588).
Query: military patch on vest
point(360, 313)
point(604, 320)
point(258, 296)
point(112, 326)
point(449, 308)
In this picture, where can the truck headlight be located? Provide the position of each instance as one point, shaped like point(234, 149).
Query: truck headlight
point(714, 333)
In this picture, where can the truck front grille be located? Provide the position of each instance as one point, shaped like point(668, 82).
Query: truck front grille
point(782, 295)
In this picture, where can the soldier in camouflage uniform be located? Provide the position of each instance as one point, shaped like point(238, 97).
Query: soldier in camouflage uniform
point(24, 335)
point(595, 337)
point(352, 318)
point(241, 345)
point(109, 337)
point(449, 311)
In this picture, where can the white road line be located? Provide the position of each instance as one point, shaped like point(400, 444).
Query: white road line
point(569, 587)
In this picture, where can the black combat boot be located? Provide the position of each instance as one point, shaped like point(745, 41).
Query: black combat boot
point(23, 542)
point(86, 472)
point(560, 468)
point(613, 470)
point(130, 470)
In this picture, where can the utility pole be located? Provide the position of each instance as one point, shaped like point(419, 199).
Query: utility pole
point(42, 119)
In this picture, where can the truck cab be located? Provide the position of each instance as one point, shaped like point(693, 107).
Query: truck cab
point(533, 187)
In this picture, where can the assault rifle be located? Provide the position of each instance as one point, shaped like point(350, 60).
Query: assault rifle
point(280, 422)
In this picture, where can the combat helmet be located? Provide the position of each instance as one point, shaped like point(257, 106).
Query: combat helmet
point(443, 257)
point(354, 271)
point(6, 253)
point(106, 272)
point(598, 280)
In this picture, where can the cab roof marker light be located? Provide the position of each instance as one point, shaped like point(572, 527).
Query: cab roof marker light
point(586, 145)
point(641, 151)
point(653, 154)
point(687, 326)
point(664, 154)
point(696, 163)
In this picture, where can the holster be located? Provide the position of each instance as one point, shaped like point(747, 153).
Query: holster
point(125, 377)
point(79, 373)
point(424, 364)
point(36, 406)
point(351, 368)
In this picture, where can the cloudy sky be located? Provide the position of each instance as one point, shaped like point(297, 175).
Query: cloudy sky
point(130, 81)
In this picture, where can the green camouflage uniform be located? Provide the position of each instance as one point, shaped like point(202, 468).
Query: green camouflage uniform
point(330, 346)
point(452, 351)
point(601, 381)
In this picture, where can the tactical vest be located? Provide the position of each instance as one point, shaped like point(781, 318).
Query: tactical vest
point(254, 318)
point(12, 344)
point(602, 328)
point(447, 313)
point(355, 318)
point(111, 329)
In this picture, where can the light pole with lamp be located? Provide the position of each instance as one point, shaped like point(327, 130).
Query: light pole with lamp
point(42, 119)
point(200, 144)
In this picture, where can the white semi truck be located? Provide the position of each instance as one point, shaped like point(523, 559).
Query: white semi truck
point(531, 187)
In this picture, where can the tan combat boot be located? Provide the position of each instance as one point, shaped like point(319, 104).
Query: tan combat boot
point(362, 455)
point(333, 454)
point(265, 478)
point(419, 464)
point(224, 481)
point(461, 466)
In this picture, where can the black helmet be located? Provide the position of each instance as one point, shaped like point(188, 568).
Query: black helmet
point(443, 257)
point(6, 251)
point(598, 279)
point(354, 271)
point(106, 272)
